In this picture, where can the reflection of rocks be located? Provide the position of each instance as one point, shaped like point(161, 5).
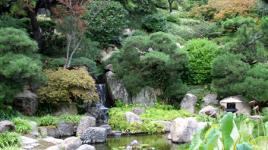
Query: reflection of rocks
point(209, 111)
point(6, 126)
point(183, 129)
point(134, 145)
point(188, 102)
point(147, 96)
point(26, 102)
point(85, 122)
point(116, 88)
point(94, 135)
point(210, 99)
point(132, 118)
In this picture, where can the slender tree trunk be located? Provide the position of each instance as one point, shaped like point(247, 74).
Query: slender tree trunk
point(37, 35)
point(170, 2)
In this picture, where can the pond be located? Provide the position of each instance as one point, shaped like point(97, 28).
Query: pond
point(156, 142)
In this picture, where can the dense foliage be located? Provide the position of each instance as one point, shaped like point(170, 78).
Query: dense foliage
point(146, 59)
point(68, 86)
point(201, 54)
point(19, 65)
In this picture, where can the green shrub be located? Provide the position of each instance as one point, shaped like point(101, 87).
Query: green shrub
point(18, 64)
point(255, 84)
point(228, 70)
point(105, 20)
point(68, 86)
point(153, 61)
point(71, 118)
point(201, 54)
point(155, 22)
point(47, 120)
point(8, 139)
point(22, 125)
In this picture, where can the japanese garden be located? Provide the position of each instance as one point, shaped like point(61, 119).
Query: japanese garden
point(133, 74)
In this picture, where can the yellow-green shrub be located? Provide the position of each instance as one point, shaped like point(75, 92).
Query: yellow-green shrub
point(68, 86)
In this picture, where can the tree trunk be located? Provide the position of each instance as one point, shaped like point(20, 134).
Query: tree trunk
point(170, 5)
point(37, 35)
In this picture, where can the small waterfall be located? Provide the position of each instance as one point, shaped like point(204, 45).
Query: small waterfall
point(100, 106)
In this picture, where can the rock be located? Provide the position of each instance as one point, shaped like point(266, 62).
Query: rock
point(128, 32)
point(109, 67)
point(72, 143)
point(241, 106)
point(132, 118)
point(108, 53)
point(116, 133)
point(28, 143)
point(183, 129)
point(66, 108)
point(53, 140)
point(138, 111)
point(209, 110)
point(210, 99)
point(66, 129)
point(108, 128)
point(116, 88)
point(86, 147)
point(147, 96)
point(34, 126)
point(165, 124)
point(94, 135)
point(6, 126)
point(49, 131)
point(188, 102)
point(98, 111)
point(26, 102)
point(55, 147)
point(85, 122)
point(256, 117)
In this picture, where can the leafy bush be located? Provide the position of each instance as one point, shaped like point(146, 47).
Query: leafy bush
point(159, 112)
point(68, 86)
point(22, 126)
point(153, 61)
point(201, 54)
point(105, 20)
point(71, 118)
point(8, 139)
point(256, 83)
point(47, 120)
point(222, 9)
point(228, 70)
point(155, 22)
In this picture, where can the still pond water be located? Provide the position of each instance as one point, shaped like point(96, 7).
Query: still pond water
point(154, 142)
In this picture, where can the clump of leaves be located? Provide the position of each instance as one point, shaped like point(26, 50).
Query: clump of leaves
point(47, 120)
point(8, 139)
point(22, 125)
point(71, 118)
point(68, 86)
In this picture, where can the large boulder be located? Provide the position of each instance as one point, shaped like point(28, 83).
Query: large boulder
point(147, 96)
point(240, 104)
point(28, 143)
point(85, 122)
point(72, 143)
point(183, 129)
point(116, 88)
point(209, 111)
point(94, 135)
point(6, 126)
point(188, 102)
point(132, 118)
point(26, 102)
point(210, 99)
point(66, 129)
point(86, 147)
point(49, 131)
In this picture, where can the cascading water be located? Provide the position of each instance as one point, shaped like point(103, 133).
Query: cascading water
point(102, 111)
